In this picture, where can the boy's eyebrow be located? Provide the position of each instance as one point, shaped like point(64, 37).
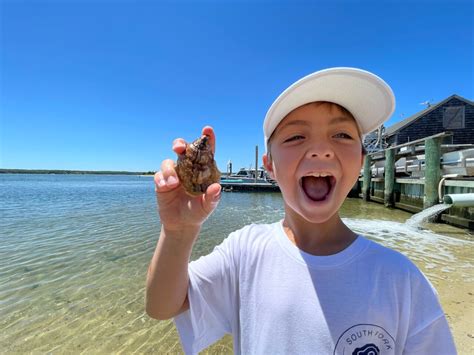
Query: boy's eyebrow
point(340, 119)
point(296, 123)
point(334, 121)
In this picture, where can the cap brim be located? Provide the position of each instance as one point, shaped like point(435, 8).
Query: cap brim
point(366, 96)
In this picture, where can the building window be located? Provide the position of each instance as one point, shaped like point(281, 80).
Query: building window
point(453, 117)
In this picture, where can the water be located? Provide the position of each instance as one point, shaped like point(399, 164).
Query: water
point(74, 252)
point(427, 215)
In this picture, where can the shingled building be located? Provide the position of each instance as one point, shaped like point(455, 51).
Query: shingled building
point(454, 114)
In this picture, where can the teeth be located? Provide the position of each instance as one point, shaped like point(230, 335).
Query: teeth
point(320, 174)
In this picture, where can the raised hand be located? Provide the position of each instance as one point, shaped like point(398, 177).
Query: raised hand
point(178, 210)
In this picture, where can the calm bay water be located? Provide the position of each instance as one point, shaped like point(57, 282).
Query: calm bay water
point(74, 251)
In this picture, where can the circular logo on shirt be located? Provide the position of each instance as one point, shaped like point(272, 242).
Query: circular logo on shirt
point(365, 339)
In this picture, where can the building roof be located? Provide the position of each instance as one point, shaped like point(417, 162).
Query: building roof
point(407, 121)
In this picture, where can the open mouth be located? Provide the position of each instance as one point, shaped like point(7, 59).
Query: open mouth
point(318, 186)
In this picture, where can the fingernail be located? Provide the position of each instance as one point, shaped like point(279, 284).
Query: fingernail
point(171, 180)
point(161, 183)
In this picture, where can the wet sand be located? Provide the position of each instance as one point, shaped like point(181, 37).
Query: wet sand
point(458, 304)
point(455, 286)
point(456, 293)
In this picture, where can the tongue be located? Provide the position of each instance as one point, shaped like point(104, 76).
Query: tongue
point(316, 187)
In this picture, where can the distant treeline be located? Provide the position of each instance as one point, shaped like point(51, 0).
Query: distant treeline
point(105, 172)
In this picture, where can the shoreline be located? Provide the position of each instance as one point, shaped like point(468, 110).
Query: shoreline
point(74, 172)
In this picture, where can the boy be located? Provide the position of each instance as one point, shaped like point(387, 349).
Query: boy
point(307, 284)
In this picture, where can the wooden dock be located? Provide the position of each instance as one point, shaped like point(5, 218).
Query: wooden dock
point(249, 187)
point(248, 182)
point(413, 194)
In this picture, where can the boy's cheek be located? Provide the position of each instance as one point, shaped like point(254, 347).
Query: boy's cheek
point(281, 163)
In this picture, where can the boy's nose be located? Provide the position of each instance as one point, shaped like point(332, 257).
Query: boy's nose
point(321, 151)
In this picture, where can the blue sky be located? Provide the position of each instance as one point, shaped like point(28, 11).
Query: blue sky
point(107, 85)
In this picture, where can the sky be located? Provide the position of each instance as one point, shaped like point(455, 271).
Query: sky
point(108, 85)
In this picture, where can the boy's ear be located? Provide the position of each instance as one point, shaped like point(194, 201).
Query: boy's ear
point(267, 163)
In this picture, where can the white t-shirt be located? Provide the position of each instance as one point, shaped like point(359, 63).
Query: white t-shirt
point(276, 299)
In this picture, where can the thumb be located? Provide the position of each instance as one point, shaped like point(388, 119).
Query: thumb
point(211, 198)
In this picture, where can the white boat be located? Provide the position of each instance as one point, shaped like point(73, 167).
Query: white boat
point(248, 176)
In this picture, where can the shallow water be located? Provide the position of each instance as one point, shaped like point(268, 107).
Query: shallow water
point(74, 251)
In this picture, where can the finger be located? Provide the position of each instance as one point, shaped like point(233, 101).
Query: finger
point(169, 173)
point(160, 183)
point(211, 198)
point(179, 145)
point(209, 131)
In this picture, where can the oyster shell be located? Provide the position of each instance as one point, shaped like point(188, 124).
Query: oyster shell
point(197, 168)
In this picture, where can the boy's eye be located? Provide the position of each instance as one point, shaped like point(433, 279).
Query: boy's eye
point(343, 135)
point(294, 138)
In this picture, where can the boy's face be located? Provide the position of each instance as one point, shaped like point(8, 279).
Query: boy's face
point(316, 157)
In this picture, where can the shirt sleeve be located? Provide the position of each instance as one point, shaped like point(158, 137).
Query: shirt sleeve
point(434, 339)
point(212, 299)
point(429, 331)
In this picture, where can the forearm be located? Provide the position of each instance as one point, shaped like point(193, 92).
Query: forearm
point(167, 280)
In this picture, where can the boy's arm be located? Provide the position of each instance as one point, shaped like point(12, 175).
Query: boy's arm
point(181, 218)
point(167, 279)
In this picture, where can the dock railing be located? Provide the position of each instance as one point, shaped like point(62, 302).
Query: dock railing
point(431, 147)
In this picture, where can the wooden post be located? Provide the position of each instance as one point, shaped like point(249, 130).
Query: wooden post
point(367, 178)
point(389, 178)
point(432, 171)
point(256, 163)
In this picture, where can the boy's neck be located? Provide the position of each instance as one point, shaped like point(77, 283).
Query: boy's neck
point(326, 238)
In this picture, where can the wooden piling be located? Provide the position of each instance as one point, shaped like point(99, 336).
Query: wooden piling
point(256, 163)
point(389, 178)
point(367, 178)
point(432, 171)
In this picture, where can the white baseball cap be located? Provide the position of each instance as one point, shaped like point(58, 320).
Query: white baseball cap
point(366, 96)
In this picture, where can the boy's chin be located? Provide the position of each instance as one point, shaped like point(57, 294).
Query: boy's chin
point(313, 215)
point(319, 219)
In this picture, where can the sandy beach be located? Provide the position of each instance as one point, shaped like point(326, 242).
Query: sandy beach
point(458, 303)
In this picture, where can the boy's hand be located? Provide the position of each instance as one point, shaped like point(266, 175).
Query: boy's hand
point(178, 211)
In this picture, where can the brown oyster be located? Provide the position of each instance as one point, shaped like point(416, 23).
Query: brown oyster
point(197, 168)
